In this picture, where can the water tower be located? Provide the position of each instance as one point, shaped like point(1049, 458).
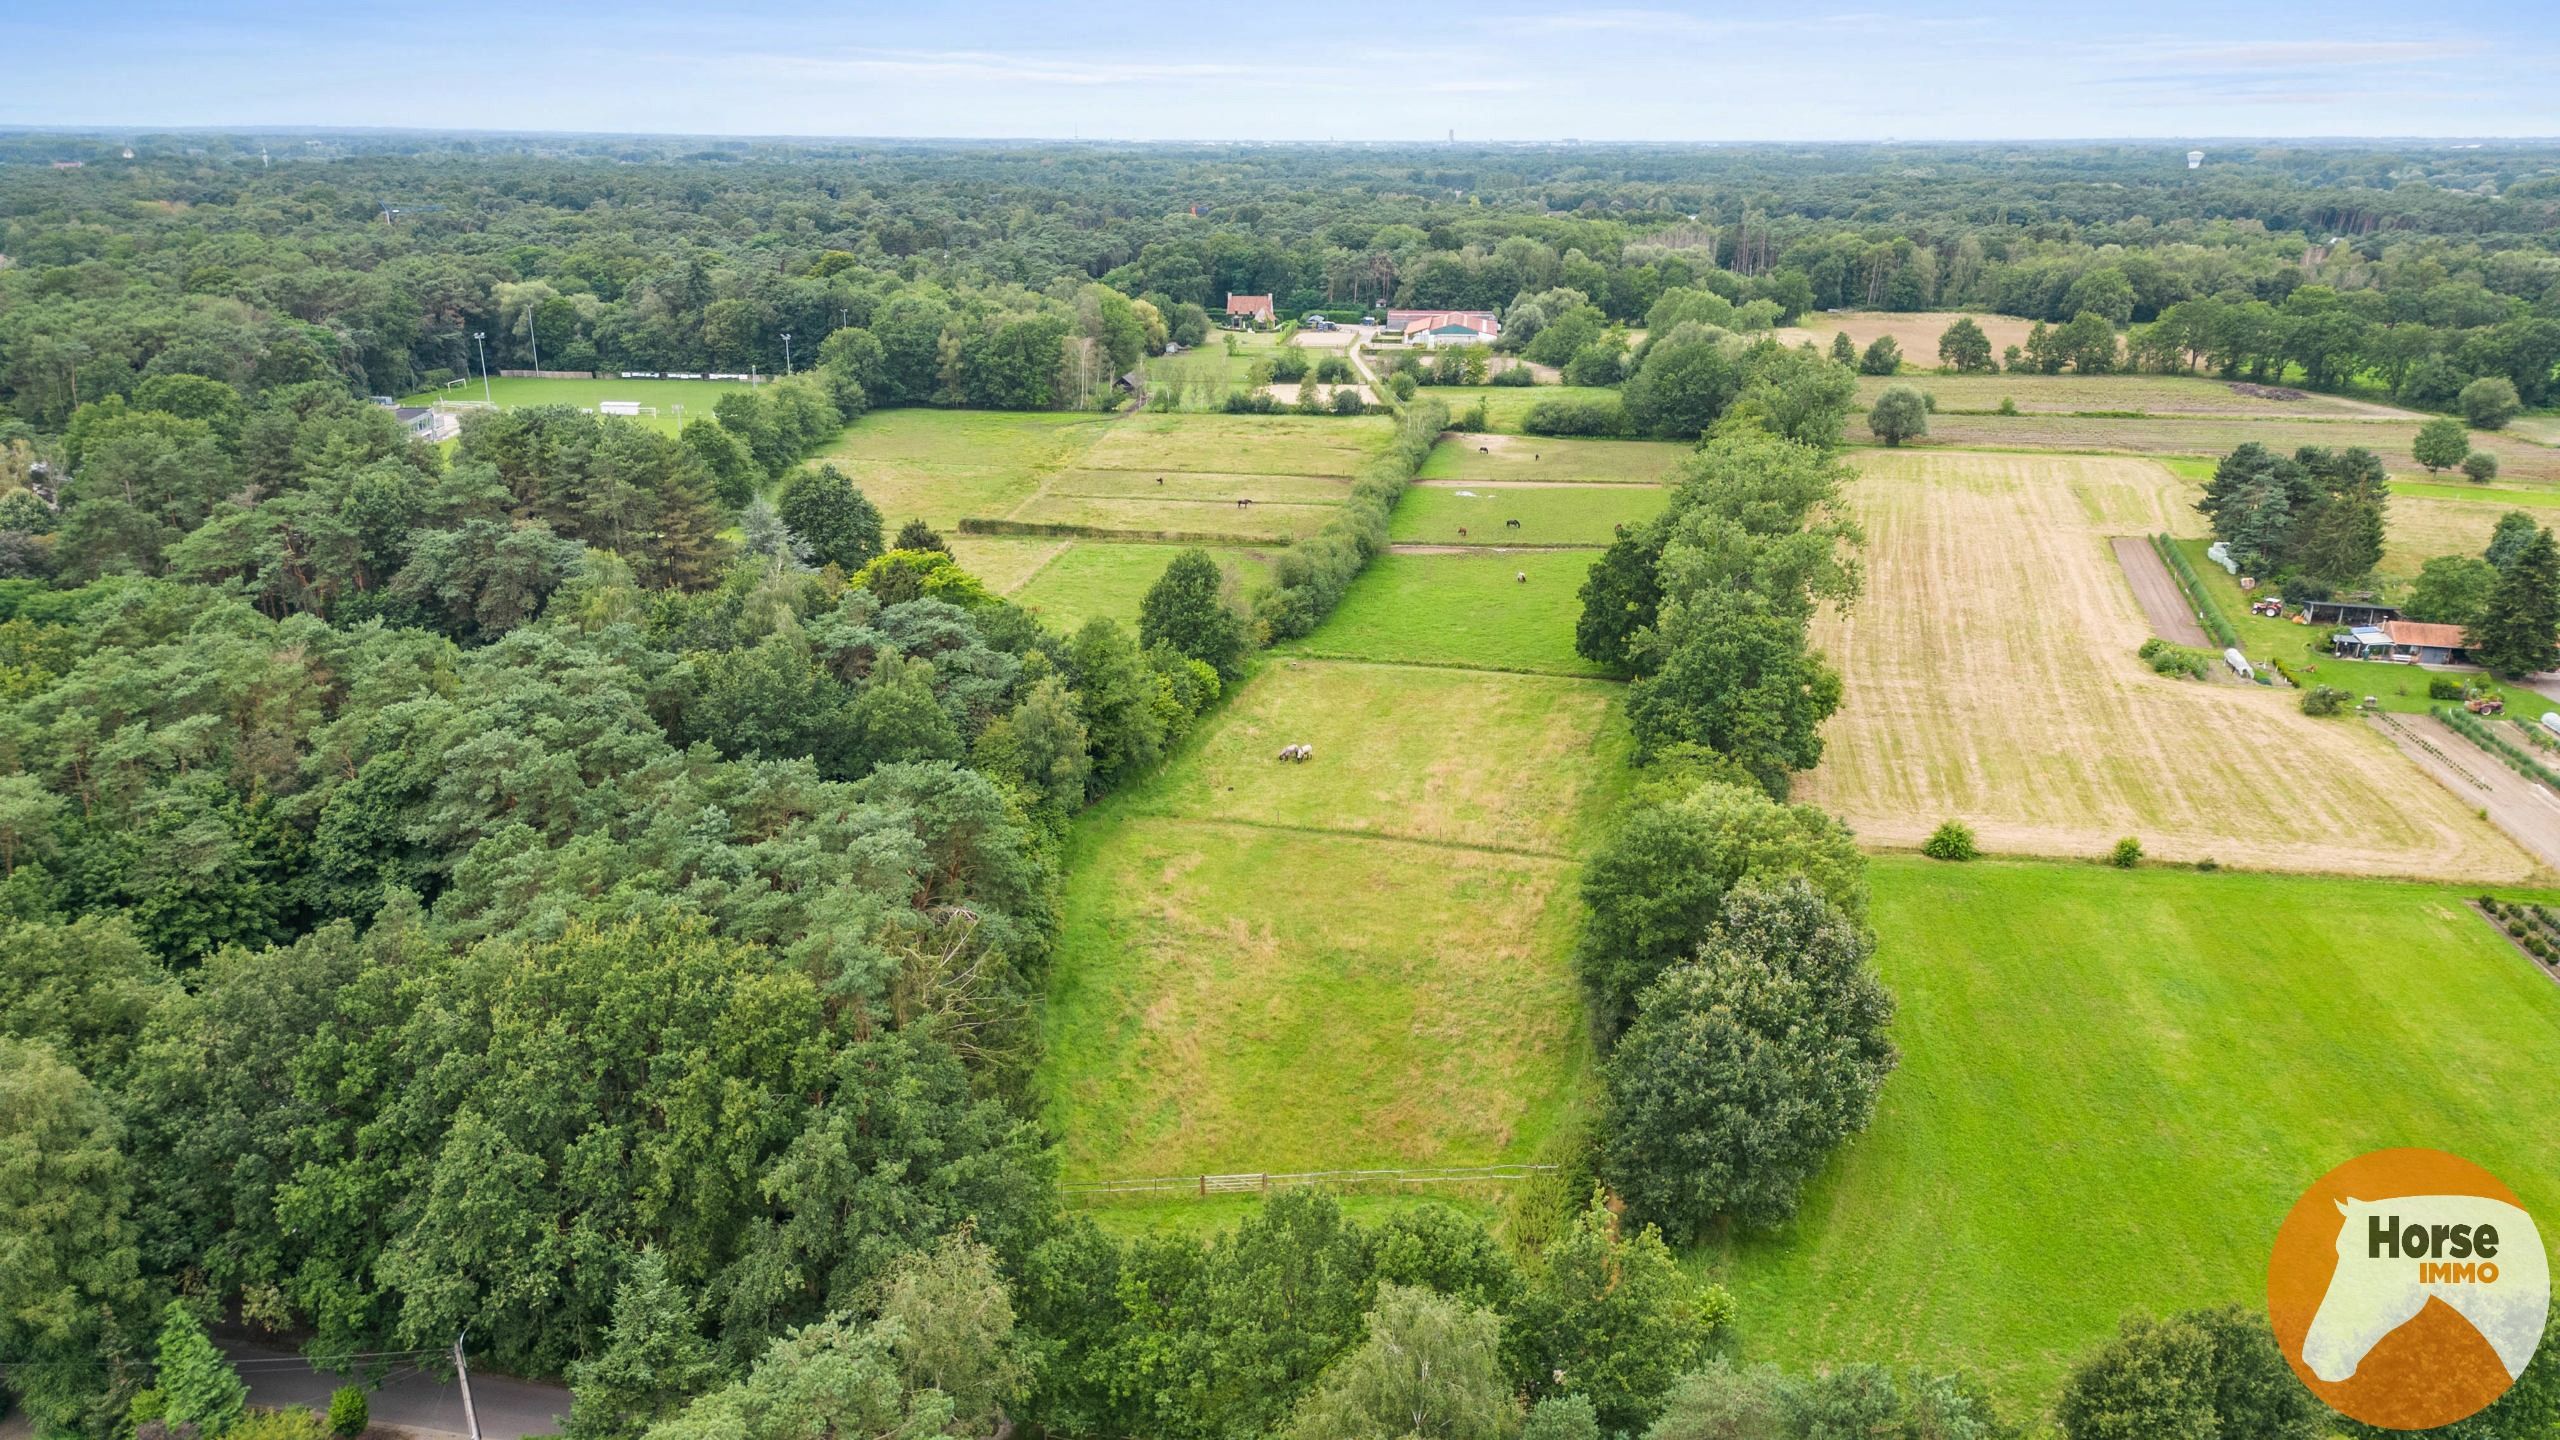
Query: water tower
point(2195, 159)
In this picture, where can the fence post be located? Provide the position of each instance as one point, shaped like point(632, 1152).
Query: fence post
point(1266, 1182)
point(1204, 1186)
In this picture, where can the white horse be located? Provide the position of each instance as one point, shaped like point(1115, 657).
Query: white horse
point(2395, 1255)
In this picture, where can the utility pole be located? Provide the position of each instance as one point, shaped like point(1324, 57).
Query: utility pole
point(786, 352)
point(462, 1372)
point(529, 335)
point(477, 339)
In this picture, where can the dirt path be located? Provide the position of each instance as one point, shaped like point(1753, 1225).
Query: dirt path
point(2523, 808)
point(2163, 603)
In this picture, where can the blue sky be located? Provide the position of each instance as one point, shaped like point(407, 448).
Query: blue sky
point(1499, 70)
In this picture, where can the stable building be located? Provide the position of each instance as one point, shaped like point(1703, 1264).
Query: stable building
point(1432, 329)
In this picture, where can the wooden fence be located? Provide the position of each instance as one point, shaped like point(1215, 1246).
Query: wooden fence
point(1259, 1182)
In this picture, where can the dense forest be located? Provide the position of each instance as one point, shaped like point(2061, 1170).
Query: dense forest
point(338, 769)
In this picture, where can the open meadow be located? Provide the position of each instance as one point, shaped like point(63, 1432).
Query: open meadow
point(2114, 1084)
point(1358, 961)
point(1436, 512)
point(1462, 609)
point(1089, 578)
point(1991, 678)
point(1553, 458)
point(1916, 332)
point(1505, 404)
point(2519, 462)
point(940, 465)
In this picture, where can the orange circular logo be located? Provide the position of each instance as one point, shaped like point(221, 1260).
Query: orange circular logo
point(2408, 1288)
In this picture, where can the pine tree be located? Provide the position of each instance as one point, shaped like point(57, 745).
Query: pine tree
point(199, 1386)
point(2517, 630)
point(654, 1358)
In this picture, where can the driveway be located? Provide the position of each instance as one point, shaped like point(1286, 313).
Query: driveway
point(416, 1394)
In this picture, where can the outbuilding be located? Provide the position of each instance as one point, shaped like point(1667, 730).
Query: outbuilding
point(2427, 644)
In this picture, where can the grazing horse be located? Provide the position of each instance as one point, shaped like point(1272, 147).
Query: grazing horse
point(1306, 753)
point(1462, 532)
point(1159, 479)
point(1510, 524)
point(1484, 449)
point(1520, 575)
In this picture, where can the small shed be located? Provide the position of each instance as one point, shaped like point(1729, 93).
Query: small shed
point(2425, 643)
point(2347, 612)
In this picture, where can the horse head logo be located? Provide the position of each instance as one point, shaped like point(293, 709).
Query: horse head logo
point(2480, 1256)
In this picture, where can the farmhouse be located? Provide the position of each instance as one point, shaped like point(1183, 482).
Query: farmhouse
point(1434, 328)
point(1251, 309)
point(2413, 642)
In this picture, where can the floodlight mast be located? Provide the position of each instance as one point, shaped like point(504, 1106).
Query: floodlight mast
point(479, 338)
point(786, 353)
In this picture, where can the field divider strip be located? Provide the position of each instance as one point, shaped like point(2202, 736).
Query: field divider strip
point(1278, 827)
point(1340, 658)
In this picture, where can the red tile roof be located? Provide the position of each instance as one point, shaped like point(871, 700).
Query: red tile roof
point(1249, 305)
point(1428, 320)
point(2421, 633)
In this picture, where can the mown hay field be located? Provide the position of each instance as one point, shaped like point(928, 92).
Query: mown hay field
point(2151, 394)
point(1089, 578)
point(2114, 1084)
point(1991, 678)
point(2519, 462)
point(1357, 961)
point(1917, 332)
point(940, 465)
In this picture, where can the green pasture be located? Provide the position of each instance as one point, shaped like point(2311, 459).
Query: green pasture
point(1549, 457)
point(1200, 485)
point(1204, 377)
point(677, 401)
point(1086, 578)
point(1505, 404)
point(1470, 610)
point(1548, 514)
point(939, 465)
point(1241, 444)
point(2113, 1086)
point(1148, 517)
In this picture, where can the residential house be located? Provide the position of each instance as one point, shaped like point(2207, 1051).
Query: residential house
point(1253, 310)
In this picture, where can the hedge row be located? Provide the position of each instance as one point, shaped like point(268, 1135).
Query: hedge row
point(1314, 572)
point(2206, 610)
point(982, 525)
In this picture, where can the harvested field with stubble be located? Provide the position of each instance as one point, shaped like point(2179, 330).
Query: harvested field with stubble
point(2151, 394)
point(2519, 462)
point(1991, 678)
point(1917, 332)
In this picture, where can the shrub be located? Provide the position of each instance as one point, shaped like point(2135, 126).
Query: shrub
point(1952, 840)
point(2165, 658)
point(1564, 416)
point(348, 1414)
point(2007, 406)
point(2489, 402)
point(2441, 444)
point(2323, 700)
point(1252, 402)
point(290, 1422)
point(1403, 384)
point(2440, 687)
point(1901, 413)
point(1288, 367)
point(2127, 854)
point(1476, 418)
point(1516, 376)
point(2208, 865)
point(2480, 466)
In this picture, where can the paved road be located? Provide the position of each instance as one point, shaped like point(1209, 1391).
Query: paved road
point(413, 1397)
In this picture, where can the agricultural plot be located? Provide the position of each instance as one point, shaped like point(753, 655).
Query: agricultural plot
point(2417, 528)
point(1151, 518)
point(1462, 609)
point(1917, 332)
point(1554, 514)
point(1252, 975)
point(940, 465)
point(1004, 562)
point(2150, 394)
point(674, 401)
point(1551, 458)
point(2151, 1064)
point(1991, 678)
point(1088, 578)
point(1505, 404)
point(1457, 757)
point(2519, 462)
point(1240, 444)
point(1195, 485)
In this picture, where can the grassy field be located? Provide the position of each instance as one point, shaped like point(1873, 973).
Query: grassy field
point(2519, 462)
point(1917, 332)
point(1462, 610)
point(2152, 394)
point(1004, 562)
point(2114, 1085)
point(1148, 516)
point(1547, 457)
point(1196, 485)
point(676, 400)
point(1086, 578)
point(939, 465)
point(1206, 376)
point(1505, 404)
point(1991, 678)
point(1551, 514)
point(1254, 974)
point(1241, 444)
